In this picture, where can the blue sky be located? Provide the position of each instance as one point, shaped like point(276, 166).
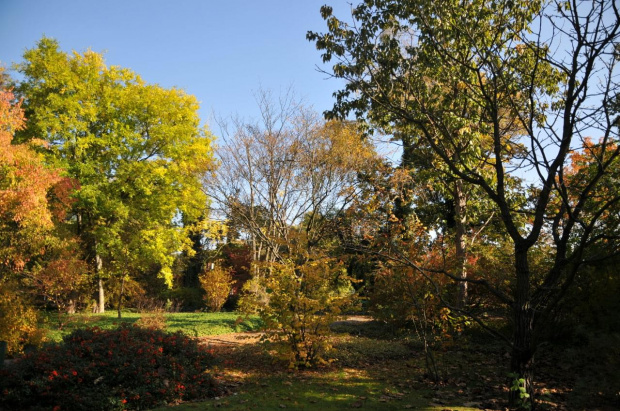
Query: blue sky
point(219, 50)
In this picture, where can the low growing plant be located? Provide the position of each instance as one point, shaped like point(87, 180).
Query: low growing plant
point(153, 320)
point(517, 386)
point(18, 319)
point(303, 301)
point(125, 368)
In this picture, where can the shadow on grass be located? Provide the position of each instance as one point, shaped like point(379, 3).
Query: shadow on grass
point(364, 373)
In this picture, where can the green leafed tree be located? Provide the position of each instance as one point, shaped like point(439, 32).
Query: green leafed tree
point(136, 151)
point(510, 87)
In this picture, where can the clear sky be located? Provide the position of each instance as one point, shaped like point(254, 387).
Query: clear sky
point(218, 50)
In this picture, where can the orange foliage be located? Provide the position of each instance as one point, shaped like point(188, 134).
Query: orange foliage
point(582, 162)
point(24, 183)
point(60, 197)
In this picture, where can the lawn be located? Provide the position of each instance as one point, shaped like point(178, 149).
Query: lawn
point(194, 324)
point(365, 372)
point(373, 369)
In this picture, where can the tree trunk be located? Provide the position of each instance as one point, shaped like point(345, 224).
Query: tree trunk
point(101, 293)
point(120, 297)
point(101, 297)
point(71, 307)
point(460, 204)
point(522, 359)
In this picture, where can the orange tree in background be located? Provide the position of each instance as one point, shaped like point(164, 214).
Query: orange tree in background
point(25, 222)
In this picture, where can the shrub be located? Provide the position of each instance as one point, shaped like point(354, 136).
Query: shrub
point(405, 298)
point(217, 284)
point(303, 301)
point(18, 319)
point(152, 320)
point(125, 368)
point(185, 298)
point(63, 279)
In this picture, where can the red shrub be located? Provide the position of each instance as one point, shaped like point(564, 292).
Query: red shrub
point(125, 368)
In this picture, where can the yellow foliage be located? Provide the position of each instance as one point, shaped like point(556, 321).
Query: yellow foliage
point(303, 301)
point(18, 320)
point(154, 320)
point(217, 284)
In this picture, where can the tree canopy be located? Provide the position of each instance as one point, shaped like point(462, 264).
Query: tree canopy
point(514, 87)
point(136, 152)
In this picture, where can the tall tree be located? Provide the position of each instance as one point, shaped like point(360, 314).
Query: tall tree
point(290, 170)
point(25, 217)
point(25, 221)
point(136, 150)
point(537, 75)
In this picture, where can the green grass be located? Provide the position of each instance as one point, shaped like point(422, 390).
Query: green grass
point(335, 390)
point(366, 373)
point(371, 368)
point(194, 324)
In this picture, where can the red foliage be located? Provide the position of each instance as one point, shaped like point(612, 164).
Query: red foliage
point(125, 368)
point(238, 258)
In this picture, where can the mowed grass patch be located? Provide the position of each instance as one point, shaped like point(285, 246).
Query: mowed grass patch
point(382, 386)
point(193, 324)
point(364, 373)
point(323, 390)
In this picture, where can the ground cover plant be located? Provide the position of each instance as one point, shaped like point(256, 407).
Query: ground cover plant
point(124, 368)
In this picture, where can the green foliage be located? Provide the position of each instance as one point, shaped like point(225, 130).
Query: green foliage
point(594, 300)
point(216, 284)
point(186, 298)
point(125, 368)
point(303, 300)
point(489, 95)
point(518, 386)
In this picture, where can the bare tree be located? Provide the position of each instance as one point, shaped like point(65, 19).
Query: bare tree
point(289, 170)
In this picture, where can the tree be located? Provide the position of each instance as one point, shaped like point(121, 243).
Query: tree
point(284, 184)
point(25, 218)
point(527, 80)
point(291, 170)
point(217, 283)
point(135, 150)
point(25, 222)
point(444, 203)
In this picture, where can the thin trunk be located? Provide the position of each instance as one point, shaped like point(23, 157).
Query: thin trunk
point(120, 297)
point(101, 293)
point(460, 204)
point(522, 359)
point(71, 307)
